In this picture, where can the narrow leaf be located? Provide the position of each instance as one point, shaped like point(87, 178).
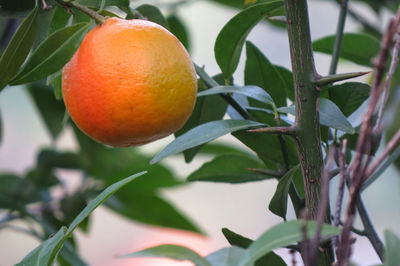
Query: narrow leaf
point(278, 203)
point(177, 28)
point(44, 253)
point(329, 115)
point(153, 14)
point(18, 48)
point(268, 259)
point(356, 47)
point(157, 211)
point(230, 40)
point(250, 91)
point(236, 239)
point(283, 235)
point(287, 77)
point(174, 252)
point(52, 54)
point(226, 256)
point(392, 243)
point(229, 169)
point(260, 72)
point(99, 200)
point(202, 134)
point(59, 19)
point(51, 110)
point(206, 109)
point(349, 96)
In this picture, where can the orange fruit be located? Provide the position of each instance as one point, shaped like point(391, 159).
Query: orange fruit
point(129, 83)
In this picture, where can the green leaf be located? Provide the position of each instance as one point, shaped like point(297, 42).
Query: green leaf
point(109, 164)
point(333, 117)
point(52, 54)
point(226, 256)
point(177, 28)
point(283, 235)
point(392, 243)
point(287, 77)
point(254, 92)
point(206, 109)
point(57, 86)
point(260, 72)
point(99, 200)
point(202, 134)
point(268, 148)
point(231, 38)
point(299, 184)
point(49, 158)
point(349, 96)
point(356, 47)
point(157, 211)
point(59, 19)
point(269, 259)
point(15, 189)
point(51, 110)
point(236, 239)
point(18, 48)
point(229, 169)
point(222, 148)
point(329, 115)
point(153, 14)
point(45, 253)
point(278, 203)
point(172, 252)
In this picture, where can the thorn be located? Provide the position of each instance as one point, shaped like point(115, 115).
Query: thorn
point(281, 19)
point(275, 130)
point(338, 77)
point(266, 172)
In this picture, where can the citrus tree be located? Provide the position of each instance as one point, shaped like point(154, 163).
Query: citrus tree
point(122, 82)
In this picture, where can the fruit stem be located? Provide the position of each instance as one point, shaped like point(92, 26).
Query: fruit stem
point(91, 13)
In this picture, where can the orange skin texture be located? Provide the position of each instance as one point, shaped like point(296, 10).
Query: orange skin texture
point(130, 82)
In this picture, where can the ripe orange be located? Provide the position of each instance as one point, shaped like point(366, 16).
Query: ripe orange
point(129, 83)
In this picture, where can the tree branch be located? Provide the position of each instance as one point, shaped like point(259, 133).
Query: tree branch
point(308, 139)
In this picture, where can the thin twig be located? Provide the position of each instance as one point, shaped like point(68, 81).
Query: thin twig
point(365, 142)
point(339, 200)
point(334, 172)
point(393, 64)
point(393, 143)
point(339, 36)
point(46, 6)
point(91, 13)
point(24, 230)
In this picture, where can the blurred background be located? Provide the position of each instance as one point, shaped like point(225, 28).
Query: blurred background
point(243, 208)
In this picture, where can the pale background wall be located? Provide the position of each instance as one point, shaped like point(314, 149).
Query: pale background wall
point(242, 208)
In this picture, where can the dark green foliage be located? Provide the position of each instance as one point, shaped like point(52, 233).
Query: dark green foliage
point(51, 110)
point(259, 71)
point(46, 40)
